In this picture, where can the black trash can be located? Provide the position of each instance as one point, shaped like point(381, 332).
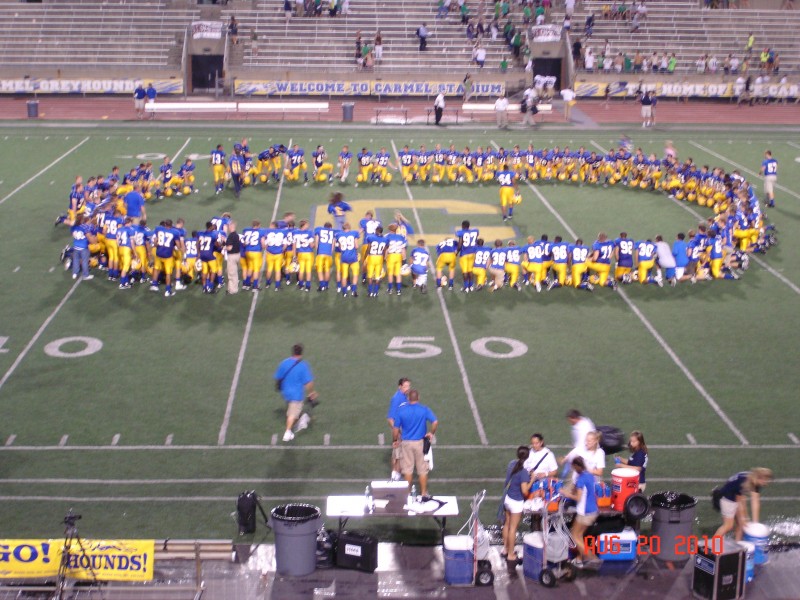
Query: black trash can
point(673, 517)
point(347, 111)
point(295, 527)
point(33, 109)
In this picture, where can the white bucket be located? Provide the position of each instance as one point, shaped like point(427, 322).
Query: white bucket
point(758, 534)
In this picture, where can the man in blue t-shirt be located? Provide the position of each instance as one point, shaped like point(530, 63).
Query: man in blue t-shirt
point(399, 398)
point(81, 238)
point(295, 382)
point(411, 423)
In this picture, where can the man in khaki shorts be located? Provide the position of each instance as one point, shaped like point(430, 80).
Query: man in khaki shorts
point(411, 424)
point(295, 382)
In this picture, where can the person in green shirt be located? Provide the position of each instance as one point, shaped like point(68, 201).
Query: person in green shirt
point(627, 63)
point(673, 62)
point(464, 14)
point(505, 7)
point(516, 44)
point(497, 9)
point(504, 64)
point(526, 14)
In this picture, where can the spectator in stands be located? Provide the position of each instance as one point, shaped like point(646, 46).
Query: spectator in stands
point(734, 65)
point(527, 14)
point(641, 10)
point(623, 12)
point(378, 46)
point(636, 23)
point(464, 11)
point(673, 62)
point(504, 64)
point(233, 30)
point(589, 60)
point(253, 42)
point(567, 24)
point(333, 8)
point(480, 56)
point(654, 62)
point(764, 58)
point(700, 65)
point(359, 44)
point(608, 63)
point(619, 62)
point(713, 65)
point(495, 29)
point(480, 29)
point(508, 31)
point(637, 62)
point(467, 87)
point(609, 12)
point(751, 40)
point(505, 8)
point(470, 32)
point(588, 27)
point(527, 56)
point(287, 9)
point(516, 45)
point(776, 64)
point(299, 6)
point(422, 34)
point(569, 7)
point(501, 111)
point(646, 64)
point(443, 9)
point(577, 53)
point(345, 7)
point(726, 65)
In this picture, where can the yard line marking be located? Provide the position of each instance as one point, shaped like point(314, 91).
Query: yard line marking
point(168, 441)
point(794, 439)
point(115, 439)
point(63, 441)
point(48, 167)
point(691, 439)
point(381, 439)
point(753, 257)
point(274, 440)
point(459, 359)
point(316, 480)
point(326, 439)
point(10, 439)
point(223, 430)
point(177, 154)
point(39, 333)
point(227, 499)
point(742, 168)
point(351, 447)
point(649, 326)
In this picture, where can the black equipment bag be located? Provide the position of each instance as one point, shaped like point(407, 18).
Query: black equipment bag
point(246, 506)
point(355, 550)
point(613, 439)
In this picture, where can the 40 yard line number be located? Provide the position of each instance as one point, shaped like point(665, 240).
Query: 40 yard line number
point(423, 347)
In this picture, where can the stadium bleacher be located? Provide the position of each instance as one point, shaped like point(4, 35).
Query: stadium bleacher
point(97, 34)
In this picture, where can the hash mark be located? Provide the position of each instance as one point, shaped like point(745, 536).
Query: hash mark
point(168, 441)
point(794, 439)
point(326, 439)
point(51, 269)
point(63, 441)
point(274, 439)
point(381, 439)
point(17, 269)
point(115, 439)
point(691, 439)
point(10, 439)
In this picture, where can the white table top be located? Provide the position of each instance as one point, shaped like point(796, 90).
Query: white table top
point(354, 506)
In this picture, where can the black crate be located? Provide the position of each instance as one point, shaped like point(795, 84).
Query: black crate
point(719, 576)
point(355, 550)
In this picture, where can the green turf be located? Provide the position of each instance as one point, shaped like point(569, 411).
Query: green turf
point(166, 366)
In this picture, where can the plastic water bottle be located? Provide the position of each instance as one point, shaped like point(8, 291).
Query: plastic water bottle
point(367, 500)
point(617, 460)
point(413, 493)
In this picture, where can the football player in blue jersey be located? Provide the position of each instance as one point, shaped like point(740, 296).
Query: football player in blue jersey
point(603, 251)
point(253, 244)
point(303, 240)
point(126, 243)
point(217, 162)
point(408, 166)
point(513, 260)
point(275, 244)
point(480, 264)
point(347, 244)
point(509, 191)
point(623, 256)
point(446, 259)
point(376, 250)
point(207, 245)
point(323, 170)
point(345, 158)
point(395, 257)
point(645, 261)
point(295, 162)
point(324, 241)
point(419, 259)
point(467, 241)
point(559, 250)
point(579, 255)
point(165, 241)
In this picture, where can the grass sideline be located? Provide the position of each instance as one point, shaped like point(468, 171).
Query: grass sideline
point(166, 368)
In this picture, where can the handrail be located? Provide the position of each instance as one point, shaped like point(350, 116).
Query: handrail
point(185, 60)
point(570, 62)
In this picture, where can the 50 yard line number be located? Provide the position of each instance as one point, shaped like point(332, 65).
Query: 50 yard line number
point(423, 347)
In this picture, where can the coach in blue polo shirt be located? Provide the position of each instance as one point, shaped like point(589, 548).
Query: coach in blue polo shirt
point(411, 422)
point(295, 382)
point(134, 204)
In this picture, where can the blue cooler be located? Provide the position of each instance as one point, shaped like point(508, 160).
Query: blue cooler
point(749, 560)
point(532, 554)
point(617, 546)
point(458, 559)
point(758, 534)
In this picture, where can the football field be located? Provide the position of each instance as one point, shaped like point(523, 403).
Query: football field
point(148, 415)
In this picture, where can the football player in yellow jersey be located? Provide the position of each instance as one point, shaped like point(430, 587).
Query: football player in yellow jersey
point(466, 170)
point(217, 162)
point(453, 162)
point(489, 164)
point(512, 264)
point(439, 164)
point(517, 160)
point(364, 166)
point(424, 163)
point(295, 162)
point(408, 166)
point(322, 169)
point(509, 191)
point(383, 162)
point(395, 257)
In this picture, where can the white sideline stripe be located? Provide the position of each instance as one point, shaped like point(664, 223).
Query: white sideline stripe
point(52, 164)
point(115, 439)
point(649, 326)
point(63, 441)
point(290, 480)
point(691, 439)
point(39, 333)
point(742, 168)
point(792, 144)
point(10, 439)
point(792, 437)
point(459, 359)
point(227, 499)
point(223, 429)
point(349, 447)
point(753, 257)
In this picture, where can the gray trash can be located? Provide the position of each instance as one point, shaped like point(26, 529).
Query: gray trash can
point(295, 527)
point(673, 516)
point(347, 111)
point(33, 109)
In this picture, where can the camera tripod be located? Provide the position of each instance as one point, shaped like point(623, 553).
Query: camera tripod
point(71, 536)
